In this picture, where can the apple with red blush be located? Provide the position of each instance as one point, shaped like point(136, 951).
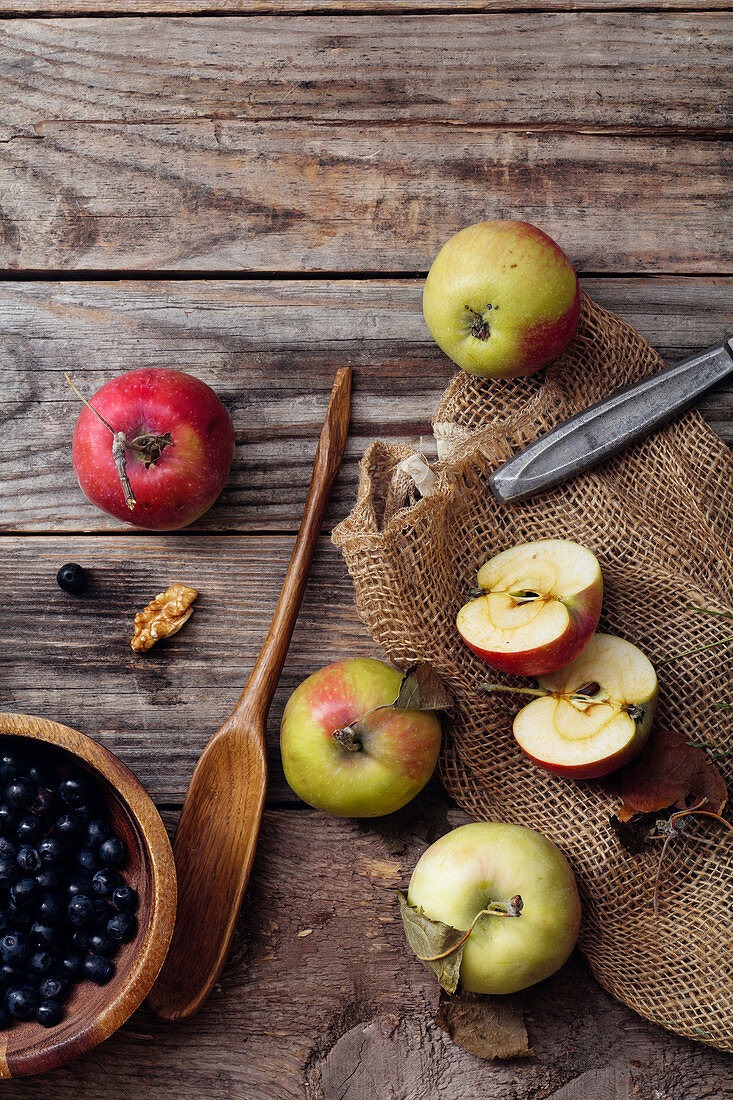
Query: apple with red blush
point(348, 749)
point(540, 604)
point(153, 448)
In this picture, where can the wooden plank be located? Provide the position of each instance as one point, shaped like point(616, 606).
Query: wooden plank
point(70, 658)
point(301, 197)
point(271, 351)
point(322, 1001)
point(615, 72)
point(337, 7)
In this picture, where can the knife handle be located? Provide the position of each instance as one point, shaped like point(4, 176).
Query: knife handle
point(598, 432)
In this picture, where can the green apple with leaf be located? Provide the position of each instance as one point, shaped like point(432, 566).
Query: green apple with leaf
point(359, 739)
point(493, 908)
point(501, 299)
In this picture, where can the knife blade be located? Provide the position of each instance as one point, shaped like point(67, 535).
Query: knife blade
point(601, 430)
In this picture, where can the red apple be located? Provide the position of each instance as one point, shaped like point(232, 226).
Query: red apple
point(174, 442)
point(501, 299)
point(541, 605)
point(346, 751)
point(596, 714)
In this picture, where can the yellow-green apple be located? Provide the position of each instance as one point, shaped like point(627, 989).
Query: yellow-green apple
point(596, 714)
point(486, 863)
point(541, 604)
point(346, 750)
point(153, 447)
point(501, 299)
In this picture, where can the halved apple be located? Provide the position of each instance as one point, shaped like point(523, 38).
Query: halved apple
point(541, 604)
point(597, 713)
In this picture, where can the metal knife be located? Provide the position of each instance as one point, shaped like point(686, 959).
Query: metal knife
point(594, 434)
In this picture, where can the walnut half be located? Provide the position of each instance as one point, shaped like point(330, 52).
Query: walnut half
point(164, 616)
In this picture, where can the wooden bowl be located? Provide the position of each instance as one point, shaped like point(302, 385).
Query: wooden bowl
point(93, 1012)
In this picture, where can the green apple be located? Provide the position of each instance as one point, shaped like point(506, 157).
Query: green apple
point(345, 750)
point(501, 299)
point(475, 865)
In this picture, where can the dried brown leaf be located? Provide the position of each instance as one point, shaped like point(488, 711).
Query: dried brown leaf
point(489, 1027)
point(670, 772)
point(428, 938)
point(422, 689)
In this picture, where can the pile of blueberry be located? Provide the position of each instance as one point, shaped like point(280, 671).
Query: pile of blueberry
point(65, 909)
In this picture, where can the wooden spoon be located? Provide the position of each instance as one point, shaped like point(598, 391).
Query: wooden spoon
point(215, 841)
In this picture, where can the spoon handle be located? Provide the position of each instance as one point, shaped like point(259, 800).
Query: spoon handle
point(254, 702)
point(215, 840)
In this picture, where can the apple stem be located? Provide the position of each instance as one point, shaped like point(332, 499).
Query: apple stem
point(511, 908)
point(147, 447)
point(347, 738)
point(538, 693)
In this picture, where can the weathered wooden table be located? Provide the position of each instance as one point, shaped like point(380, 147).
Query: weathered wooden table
point(252, 191)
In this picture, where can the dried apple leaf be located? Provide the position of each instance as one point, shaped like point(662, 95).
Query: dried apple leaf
point(489, 1027)
point(428, 938)
point(422, 689)
point(670, 772)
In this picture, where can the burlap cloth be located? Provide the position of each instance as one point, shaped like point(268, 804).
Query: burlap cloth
point(658, 517)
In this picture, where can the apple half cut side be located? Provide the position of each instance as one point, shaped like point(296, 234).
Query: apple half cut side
point(597, 714)
point(541, 603)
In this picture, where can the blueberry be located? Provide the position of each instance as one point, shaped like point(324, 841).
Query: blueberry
point(88, 858)
point(48, 1013)
point(112, 852)
point(40, 963)
point(79, 883)
point(29, 830)
point(125, 898)
point(80, 910)
point(43, 801)
point(97, 831)
point(8, 849)
point(14, 948)
point(106, 880)
point(122, 927)
point(71, 965)
point(53, 851)
point(3, 920)
point(102, 912)
point(54, 989)
point(74, 789)
point(50, 909)
point(99, 944)
point(20, 792)
point(21, 1002)
point(28, 859)
point(24, 892)
point(72, 578)
point(8, 819)
point(11, 763)
point(44, 936)
point(78, 940)
point(9, 871)
point(12, 975)
point(48, 879)
point(98, 969)
point(70, 827)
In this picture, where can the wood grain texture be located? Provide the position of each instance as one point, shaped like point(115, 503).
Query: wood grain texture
point(94, 1013)
point(270, 350)
point(69, 658)
point(619, 72)
point(321, 1001)
point(219, 824)
point(340, 7)
point(306, 197)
